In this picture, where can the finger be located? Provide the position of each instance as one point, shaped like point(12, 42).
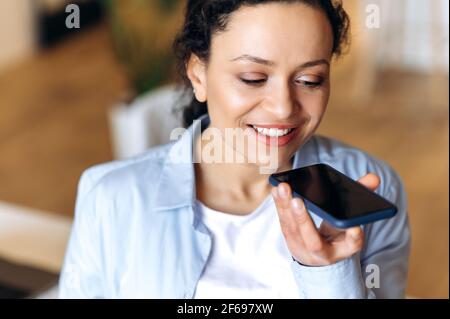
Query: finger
point(309, 233)
point(282, 196)
point(370, 180)
point(285, 215)
point(328, 231)
point(354, 240)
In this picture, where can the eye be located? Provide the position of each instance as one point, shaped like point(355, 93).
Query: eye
point(253, 82)
point(311, 82)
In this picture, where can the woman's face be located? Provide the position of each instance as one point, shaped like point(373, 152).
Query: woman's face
point(268, 69)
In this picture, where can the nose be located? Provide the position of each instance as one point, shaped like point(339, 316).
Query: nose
point(283, 101)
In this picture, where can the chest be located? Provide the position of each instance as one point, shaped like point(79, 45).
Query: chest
point(249, 256)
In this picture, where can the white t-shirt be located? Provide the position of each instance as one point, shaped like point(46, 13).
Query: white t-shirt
point(249, 257)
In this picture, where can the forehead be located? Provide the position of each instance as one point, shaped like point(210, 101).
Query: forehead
point(276, 31)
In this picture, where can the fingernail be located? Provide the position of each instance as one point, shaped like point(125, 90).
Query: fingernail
point(296, 206)
point(282, 191)
point(355, 236)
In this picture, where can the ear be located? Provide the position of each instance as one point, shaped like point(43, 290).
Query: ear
point(196, 72)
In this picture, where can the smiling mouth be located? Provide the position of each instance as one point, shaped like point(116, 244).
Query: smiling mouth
point(272, 131)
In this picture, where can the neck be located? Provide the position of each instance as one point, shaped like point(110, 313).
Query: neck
point(237, 180)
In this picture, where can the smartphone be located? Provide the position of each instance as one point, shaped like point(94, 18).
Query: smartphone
point(335, 197)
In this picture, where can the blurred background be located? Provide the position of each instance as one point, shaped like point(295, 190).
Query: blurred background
point(72, 98)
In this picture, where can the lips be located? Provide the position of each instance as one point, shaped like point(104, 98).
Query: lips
point(274, 134)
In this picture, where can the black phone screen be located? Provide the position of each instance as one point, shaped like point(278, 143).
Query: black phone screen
point(332, 191)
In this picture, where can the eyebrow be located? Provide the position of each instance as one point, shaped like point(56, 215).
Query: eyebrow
point(259, 60)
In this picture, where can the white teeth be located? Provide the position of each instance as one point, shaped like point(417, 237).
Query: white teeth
point(272, 132)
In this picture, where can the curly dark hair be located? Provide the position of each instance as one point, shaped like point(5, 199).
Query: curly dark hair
point(203, 18)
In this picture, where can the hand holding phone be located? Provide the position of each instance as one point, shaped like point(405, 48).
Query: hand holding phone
point(334, 196)
point(309, 245)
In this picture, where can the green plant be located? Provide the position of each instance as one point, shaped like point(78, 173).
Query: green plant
point(142, 32)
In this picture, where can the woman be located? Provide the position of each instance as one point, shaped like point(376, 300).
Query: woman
point(172, 223)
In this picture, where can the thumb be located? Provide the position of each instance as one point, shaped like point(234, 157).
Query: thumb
point(371, 181)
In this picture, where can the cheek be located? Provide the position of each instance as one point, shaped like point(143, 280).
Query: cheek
point(229, 100)
point(313, 107)
point(315, 104)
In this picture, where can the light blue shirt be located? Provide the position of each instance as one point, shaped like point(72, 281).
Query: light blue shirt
point(136, 233)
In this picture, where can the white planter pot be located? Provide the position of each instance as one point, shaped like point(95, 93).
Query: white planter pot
point(146, 122)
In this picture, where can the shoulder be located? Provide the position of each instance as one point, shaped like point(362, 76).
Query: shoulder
point(124, 174)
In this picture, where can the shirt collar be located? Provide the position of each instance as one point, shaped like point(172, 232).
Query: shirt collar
point(177, 180)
